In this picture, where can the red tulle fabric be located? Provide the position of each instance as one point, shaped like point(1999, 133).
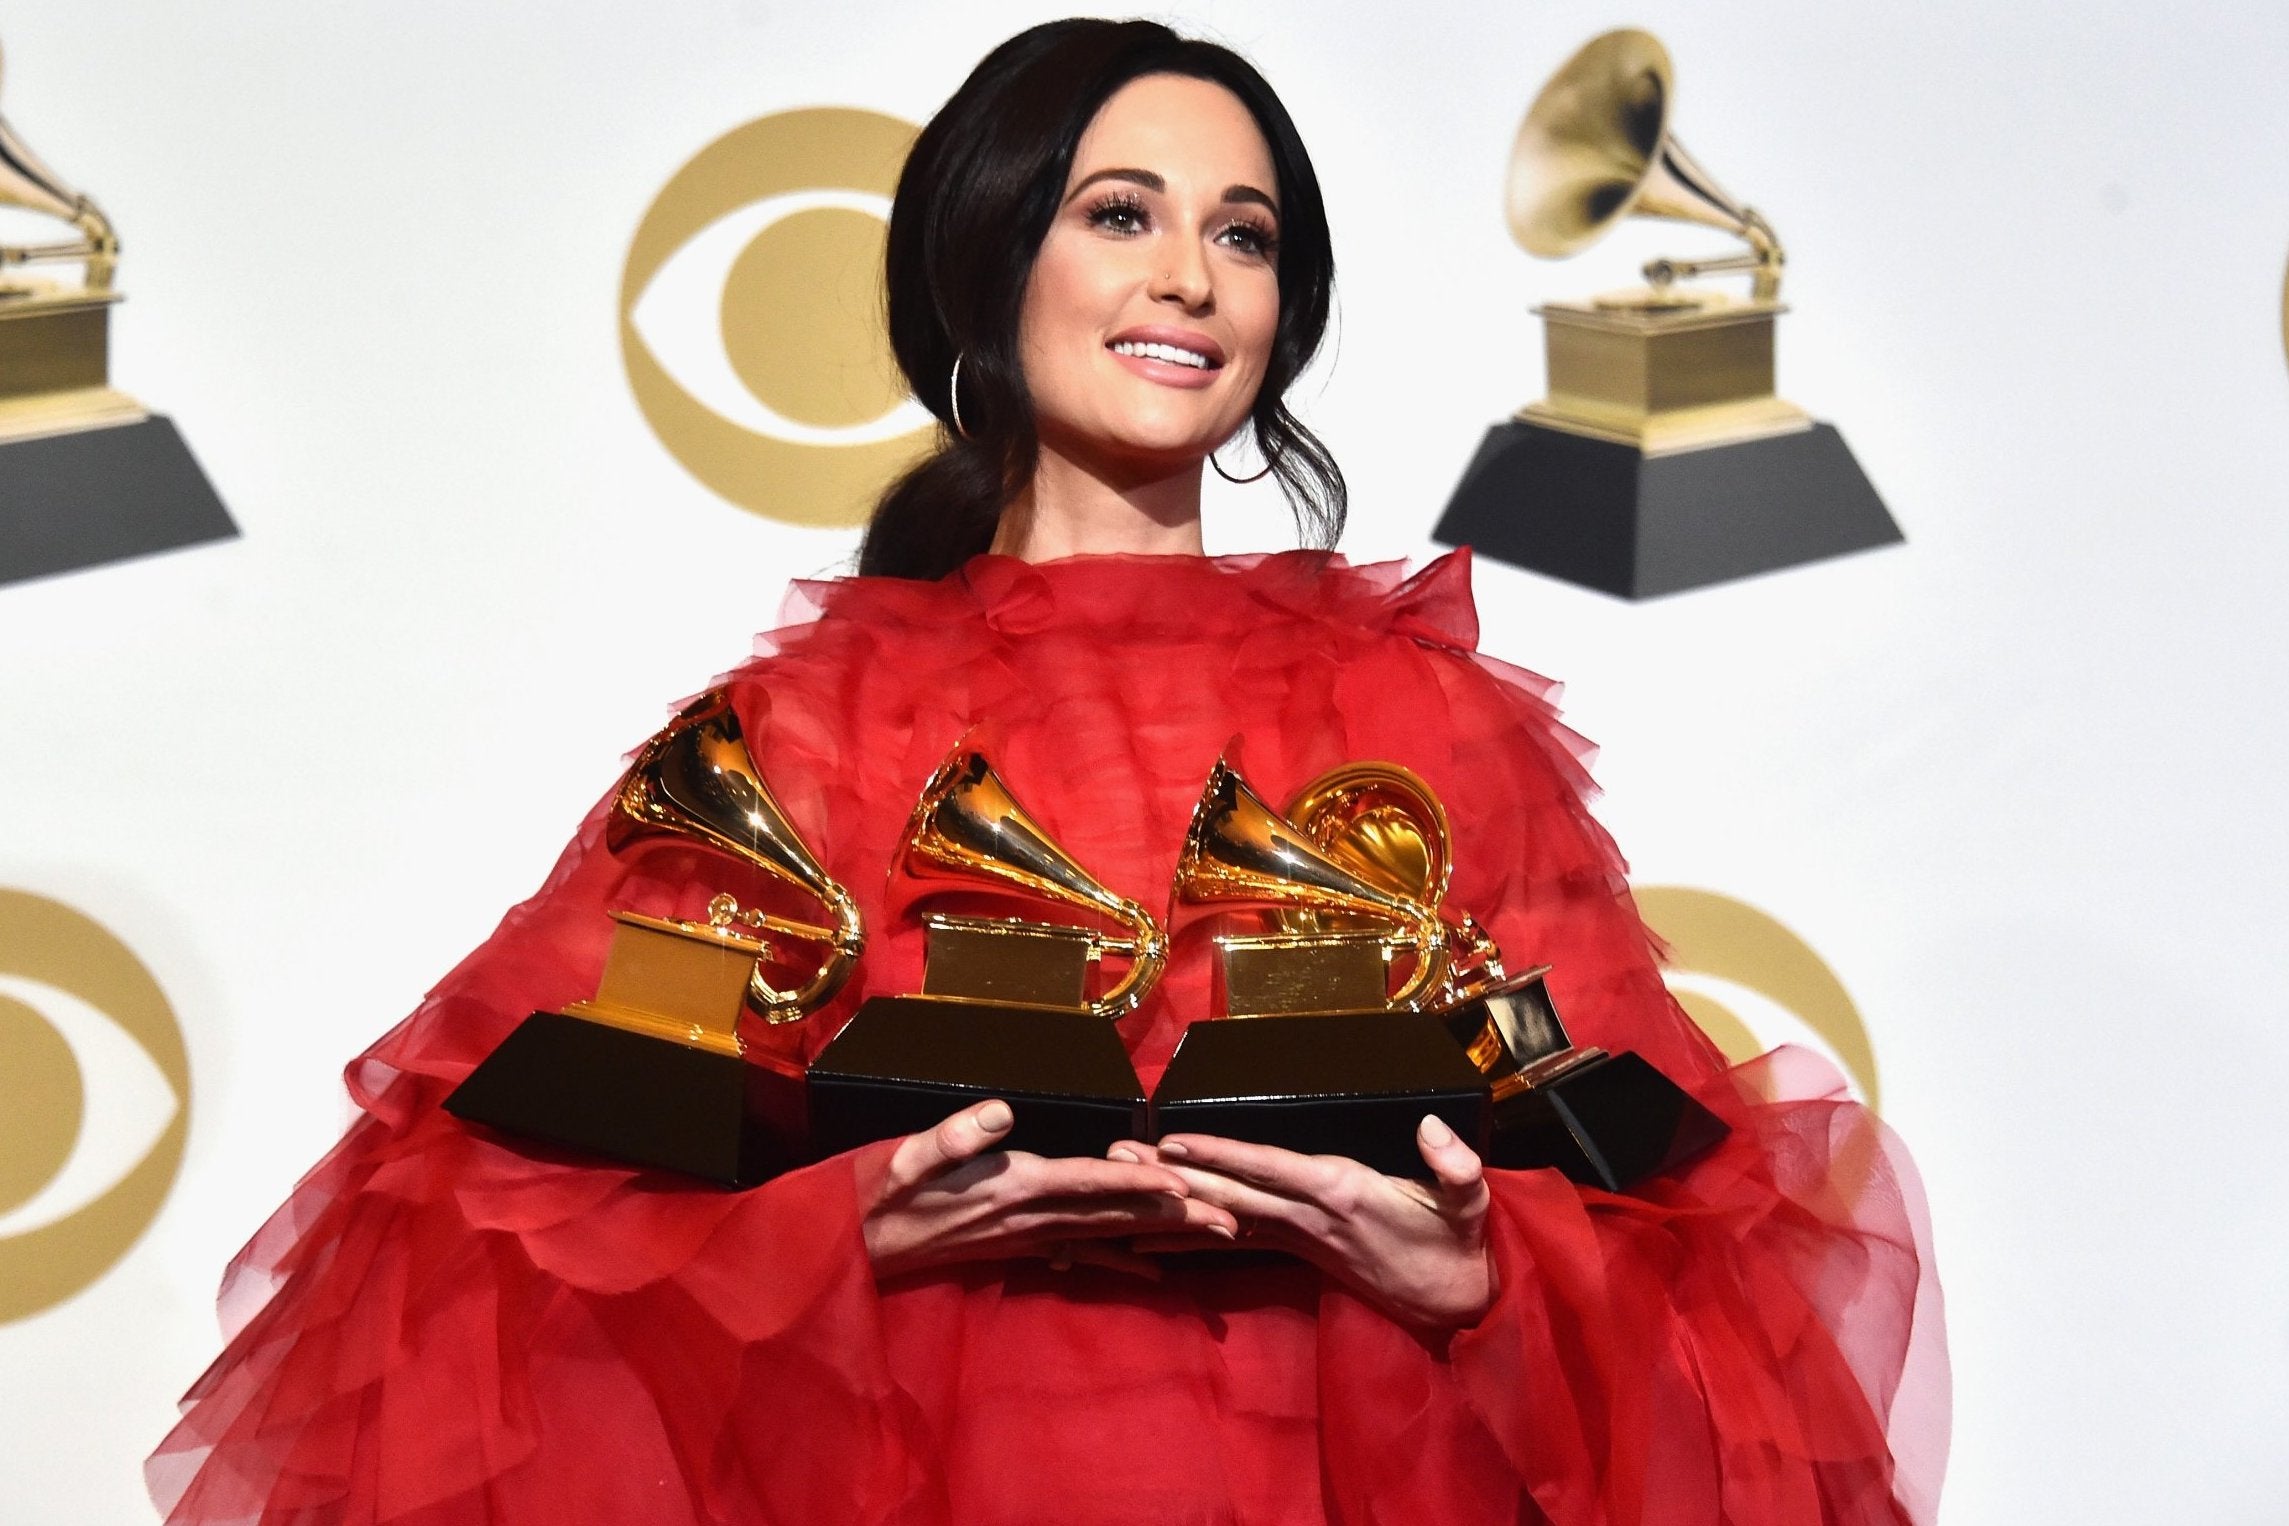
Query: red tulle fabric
point(440, 1329)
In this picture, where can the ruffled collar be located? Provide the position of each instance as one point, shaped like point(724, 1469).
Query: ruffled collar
point(1174, 596)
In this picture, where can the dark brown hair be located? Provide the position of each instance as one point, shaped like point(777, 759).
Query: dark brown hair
point(975, 200)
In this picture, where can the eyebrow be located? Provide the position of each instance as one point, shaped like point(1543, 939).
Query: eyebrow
point(1152, 182)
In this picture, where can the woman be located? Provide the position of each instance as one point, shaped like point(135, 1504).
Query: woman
point(1107, 259)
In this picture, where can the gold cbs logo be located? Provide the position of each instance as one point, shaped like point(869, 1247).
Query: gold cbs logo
point(751, 317)
point(95, 1093)
point(1751, 983)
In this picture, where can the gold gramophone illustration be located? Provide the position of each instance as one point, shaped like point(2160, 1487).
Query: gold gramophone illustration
point(1005, 1008)
point(88, 474)
point(55, 336)
point(1661, 459)
point(1672, 365)
point(652, 1069)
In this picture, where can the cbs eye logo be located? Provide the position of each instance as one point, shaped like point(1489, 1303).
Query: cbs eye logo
point(751, 317)
point(1751, 983)
point(94, 1102)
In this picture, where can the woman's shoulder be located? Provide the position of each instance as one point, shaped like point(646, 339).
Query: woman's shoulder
point(1142, 596)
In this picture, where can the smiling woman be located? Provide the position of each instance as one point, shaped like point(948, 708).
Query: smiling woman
point(1107, 258)
point(1149, 321)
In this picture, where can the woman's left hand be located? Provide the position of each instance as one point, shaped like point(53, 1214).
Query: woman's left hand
point(1418, 1249)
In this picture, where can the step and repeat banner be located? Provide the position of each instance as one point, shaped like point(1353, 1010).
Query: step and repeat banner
point(478, 377)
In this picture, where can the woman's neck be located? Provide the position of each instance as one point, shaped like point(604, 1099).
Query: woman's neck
point(1070, 509)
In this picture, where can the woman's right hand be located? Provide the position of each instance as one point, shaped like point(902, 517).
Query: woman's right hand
point(945, 1199)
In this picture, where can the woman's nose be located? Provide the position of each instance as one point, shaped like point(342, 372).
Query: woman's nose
point(1184, 278)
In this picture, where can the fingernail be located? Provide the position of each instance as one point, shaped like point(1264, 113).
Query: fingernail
point(1221, 1230)
point(1130, 1156)
point(995, 1117)
point(1171, 1147)
point(1435, 1131)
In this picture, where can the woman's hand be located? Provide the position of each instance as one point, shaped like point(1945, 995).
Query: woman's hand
point(1417, 1249)
point(944, 1199)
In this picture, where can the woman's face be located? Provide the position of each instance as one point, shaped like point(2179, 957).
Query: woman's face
point(1149, 316)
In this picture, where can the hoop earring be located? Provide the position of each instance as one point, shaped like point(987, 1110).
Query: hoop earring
point(954, 396)
point(1261, 474)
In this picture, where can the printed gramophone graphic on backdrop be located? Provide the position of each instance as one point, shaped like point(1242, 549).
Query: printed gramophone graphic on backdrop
point(87, 474)
point(1661, 460)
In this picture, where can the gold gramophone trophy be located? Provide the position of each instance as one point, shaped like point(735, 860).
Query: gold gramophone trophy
point(1355, 874)
point(1006, 1008)
point(1604, 1119)
point(87, 474)
point(1330, 1044)
point(651, 1070)
point(1661, 460)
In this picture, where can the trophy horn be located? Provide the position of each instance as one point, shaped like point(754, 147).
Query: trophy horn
point(1238, 849)
point(1385, 824)
point(969, 828)
point(1596, 147)
point(28, 183)
point(697, 780)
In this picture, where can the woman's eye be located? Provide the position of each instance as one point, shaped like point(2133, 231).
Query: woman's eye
point(1249, 239)
point(1118, 216)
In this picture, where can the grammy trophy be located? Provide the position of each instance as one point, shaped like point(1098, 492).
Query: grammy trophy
point(1006, 1008)
point(1327, 1043)
point(1380, 989)
point(652, 1070)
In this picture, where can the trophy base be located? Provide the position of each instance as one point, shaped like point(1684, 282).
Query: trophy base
point(1616, 518)
point(643, 1101)
point(1611, 1122)
point(90, 496)
point(903, 1063)
point(1345, 1083)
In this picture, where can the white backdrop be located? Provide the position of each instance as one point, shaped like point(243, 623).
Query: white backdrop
point(2017, 782)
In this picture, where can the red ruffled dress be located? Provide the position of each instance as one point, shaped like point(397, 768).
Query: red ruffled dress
point(452, 1329)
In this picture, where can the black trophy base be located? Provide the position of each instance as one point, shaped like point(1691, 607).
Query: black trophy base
point(1350, 1083)
point(1611, 1122)
point(93, 496)
point(642, 1101)
point(903, 1063)
point(1610, 517)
